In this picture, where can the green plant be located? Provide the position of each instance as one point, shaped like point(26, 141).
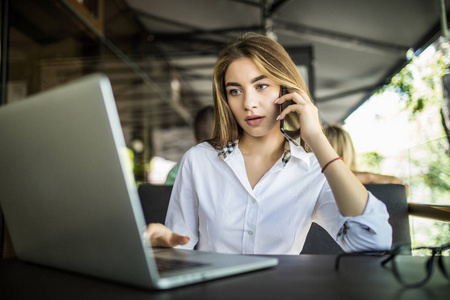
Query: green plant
point(370, 161)
point(419, 83)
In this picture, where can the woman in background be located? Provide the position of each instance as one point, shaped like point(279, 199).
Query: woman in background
point(343, 145)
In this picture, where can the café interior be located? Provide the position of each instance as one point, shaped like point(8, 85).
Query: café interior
point(159, 56)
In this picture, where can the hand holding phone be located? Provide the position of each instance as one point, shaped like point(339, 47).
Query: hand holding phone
point(290, 125)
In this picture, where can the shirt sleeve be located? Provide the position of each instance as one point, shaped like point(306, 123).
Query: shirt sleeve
point(182, 212)
point(368, 231)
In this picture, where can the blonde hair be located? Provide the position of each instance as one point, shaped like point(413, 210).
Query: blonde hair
point(342, 143)
point(272, 60)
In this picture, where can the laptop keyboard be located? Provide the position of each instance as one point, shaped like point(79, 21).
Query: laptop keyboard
point(168, 264)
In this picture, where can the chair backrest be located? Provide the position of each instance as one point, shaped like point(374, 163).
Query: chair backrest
point(154, 201)
point(318, 241)
point(394, 197)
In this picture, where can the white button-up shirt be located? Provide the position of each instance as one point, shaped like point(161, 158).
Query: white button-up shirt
point(213, 203)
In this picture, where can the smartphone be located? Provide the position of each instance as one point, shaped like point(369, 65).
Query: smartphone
point(290, 125)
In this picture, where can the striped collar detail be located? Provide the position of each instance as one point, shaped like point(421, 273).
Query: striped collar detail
point(227, 150)
point(230, 147)
point(286, 154)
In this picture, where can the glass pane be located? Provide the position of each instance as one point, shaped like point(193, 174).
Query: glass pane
point(48, 46)
point(446, 261)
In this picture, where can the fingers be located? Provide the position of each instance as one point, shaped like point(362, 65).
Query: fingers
point(299, 97)
point(286, 111)
point(177, 239)
point(396, 180)
point(161, 236)
point(307, 112)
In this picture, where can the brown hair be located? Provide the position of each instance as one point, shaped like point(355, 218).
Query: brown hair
point(272, 60)
point(342, 143)
point(203, 123)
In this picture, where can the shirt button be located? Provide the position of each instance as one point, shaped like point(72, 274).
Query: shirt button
point(253, 201)
point(250, 233)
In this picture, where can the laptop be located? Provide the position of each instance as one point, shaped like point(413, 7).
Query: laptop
point(69, 197)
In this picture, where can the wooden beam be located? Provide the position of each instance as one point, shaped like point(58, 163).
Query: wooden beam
point(94, 18)
point(430, 211)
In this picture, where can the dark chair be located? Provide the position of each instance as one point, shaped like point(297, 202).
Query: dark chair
point(394, 197)
point(154, 201)
point(318, 241)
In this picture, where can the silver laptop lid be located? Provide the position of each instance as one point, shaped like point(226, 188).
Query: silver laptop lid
point(69, 196)
point(63, 159)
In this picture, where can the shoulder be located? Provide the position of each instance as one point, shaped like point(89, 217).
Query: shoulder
point(200, 160)
point(201, 151)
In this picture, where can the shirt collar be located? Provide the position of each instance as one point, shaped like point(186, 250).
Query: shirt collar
point(290, 150)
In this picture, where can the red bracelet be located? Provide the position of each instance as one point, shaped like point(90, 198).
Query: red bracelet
point(333, 160)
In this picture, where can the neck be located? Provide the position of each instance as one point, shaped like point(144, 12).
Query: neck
point(268, 145)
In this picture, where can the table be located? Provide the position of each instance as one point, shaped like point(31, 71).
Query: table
point(296, 277)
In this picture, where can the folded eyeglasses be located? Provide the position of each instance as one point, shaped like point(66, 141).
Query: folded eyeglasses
point(402, 271)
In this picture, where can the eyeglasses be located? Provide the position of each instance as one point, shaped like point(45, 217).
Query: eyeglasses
point(403, 272)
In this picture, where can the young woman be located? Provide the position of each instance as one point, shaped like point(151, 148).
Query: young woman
point(248, 190)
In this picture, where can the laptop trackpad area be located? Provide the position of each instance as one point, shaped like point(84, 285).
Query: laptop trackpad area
point(179, 261)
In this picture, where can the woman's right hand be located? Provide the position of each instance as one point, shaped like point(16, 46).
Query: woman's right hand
point(161, 236)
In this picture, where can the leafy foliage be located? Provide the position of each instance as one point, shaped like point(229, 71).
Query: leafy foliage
point(419, 85)
point(419, 82)
point(370, 161)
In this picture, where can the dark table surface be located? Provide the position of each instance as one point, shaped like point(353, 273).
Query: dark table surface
point(296, 277)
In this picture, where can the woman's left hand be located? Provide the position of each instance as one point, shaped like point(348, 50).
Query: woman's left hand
point(310, 126)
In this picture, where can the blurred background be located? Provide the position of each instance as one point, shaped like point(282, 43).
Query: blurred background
point(379, 68)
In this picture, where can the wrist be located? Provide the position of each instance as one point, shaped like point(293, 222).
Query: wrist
point(330, 162)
